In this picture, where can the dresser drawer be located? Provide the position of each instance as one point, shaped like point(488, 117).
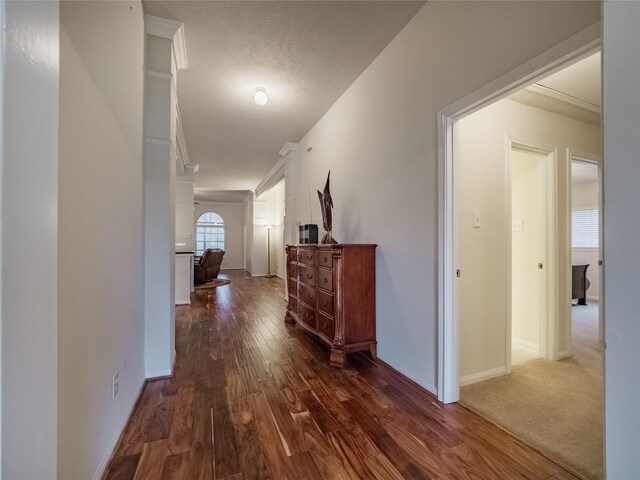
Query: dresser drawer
point(325, 279)
point(307, 275)
point(325, 258)
point(293, 304)
point(326, 326)
point(293, 288)
point(306, 256)
point(325, 302)
point(292, 254)
point(307, 315)
point(307, 295)
point(293, 270)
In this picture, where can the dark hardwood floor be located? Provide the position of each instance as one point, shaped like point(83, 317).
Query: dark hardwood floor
point(252, 397)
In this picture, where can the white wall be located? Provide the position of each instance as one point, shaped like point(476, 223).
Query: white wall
point(482, 185)
point(233, 216)
point(621, 119)
point(30, 239)
point(100, 228)
point(185, 216)
point(585, 195)
point(380, 142)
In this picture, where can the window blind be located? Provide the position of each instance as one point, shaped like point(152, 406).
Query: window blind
point(584, 228)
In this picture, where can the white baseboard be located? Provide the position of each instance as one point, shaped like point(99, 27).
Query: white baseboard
point(481, 376)
point(593, 298)
point(231, 268)
point(184, 303)
point(159, 374)
point(526, 346)
point(119, 431)
point(427, 386)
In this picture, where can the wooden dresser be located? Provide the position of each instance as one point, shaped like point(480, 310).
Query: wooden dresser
point(332, 294)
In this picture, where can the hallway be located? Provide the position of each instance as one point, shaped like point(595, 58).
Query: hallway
point(254, 398)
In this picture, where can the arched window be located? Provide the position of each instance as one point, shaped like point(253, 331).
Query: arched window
point(209, 232)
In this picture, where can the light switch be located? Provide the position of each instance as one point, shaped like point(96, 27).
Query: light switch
point(517, 225)
point(476, 219)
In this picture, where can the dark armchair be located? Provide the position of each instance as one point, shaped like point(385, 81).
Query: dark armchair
point(207, 267)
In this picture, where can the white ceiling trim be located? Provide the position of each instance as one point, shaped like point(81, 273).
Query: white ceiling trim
point(288, 147)
point(172, 30)
point(582, 44)
point(274, 176)
point(208, 202)
point(563, 97)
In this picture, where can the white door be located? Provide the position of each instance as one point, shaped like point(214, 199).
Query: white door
point(528, 254)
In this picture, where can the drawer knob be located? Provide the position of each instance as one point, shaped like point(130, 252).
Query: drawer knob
point(325, 259)
point(309, 276)
point(309, 258)
point(326, 304)
point(326, 280)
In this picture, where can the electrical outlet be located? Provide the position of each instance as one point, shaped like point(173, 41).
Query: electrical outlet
point(114, 385)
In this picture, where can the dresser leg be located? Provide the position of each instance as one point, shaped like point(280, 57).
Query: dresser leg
point(373, 350)
point(289, 319)
point(337, 358)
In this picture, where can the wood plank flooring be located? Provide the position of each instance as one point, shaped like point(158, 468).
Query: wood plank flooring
point(253, 398)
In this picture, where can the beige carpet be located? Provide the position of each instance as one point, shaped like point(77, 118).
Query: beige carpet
point(556, 407)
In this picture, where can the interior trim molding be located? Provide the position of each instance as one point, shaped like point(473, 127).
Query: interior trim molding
point(481, 376)
point(288, 147)
point(274, 176)
point(526, 346)
point(158, 141)
point(118, 436)
point(171, 30)
point(576, 47)
point(162, 75)
point(563, 97)
point(158, 374)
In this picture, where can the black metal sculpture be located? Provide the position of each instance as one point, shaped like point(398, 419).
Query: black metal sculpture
point(326, 204)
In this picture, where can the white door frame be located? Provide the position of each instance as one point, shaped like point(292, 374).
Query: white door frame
point(549, 329)
point(578, 156)
point(575, 48)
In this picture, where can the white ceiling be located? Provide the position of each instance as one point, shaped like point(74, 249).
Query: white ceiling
point(574, 91)
point(304, 53)
point(580, 80)
point(583, 172)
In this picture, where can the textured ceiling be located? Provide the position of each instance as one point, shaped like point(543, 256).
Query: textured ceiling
point(304, 53)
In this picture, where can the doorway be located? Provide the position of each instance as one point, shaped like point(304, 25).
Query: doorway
point(586, 236)
point(529, 286)
point(512, 253)
point(571, 50)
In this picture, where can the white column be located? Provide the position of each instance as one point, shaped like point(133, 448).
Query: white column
point(621, 276)
point(290, 154)
point(164, 56)
point(30, 95)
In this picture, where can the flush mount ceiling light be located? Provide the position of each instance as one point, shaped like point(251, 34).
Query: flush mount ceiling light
point(260, 96)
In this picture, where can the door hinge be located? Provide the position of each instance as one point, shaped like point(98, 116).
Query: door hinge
point(599, 263)
point(540, 266)
point(458, 273)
